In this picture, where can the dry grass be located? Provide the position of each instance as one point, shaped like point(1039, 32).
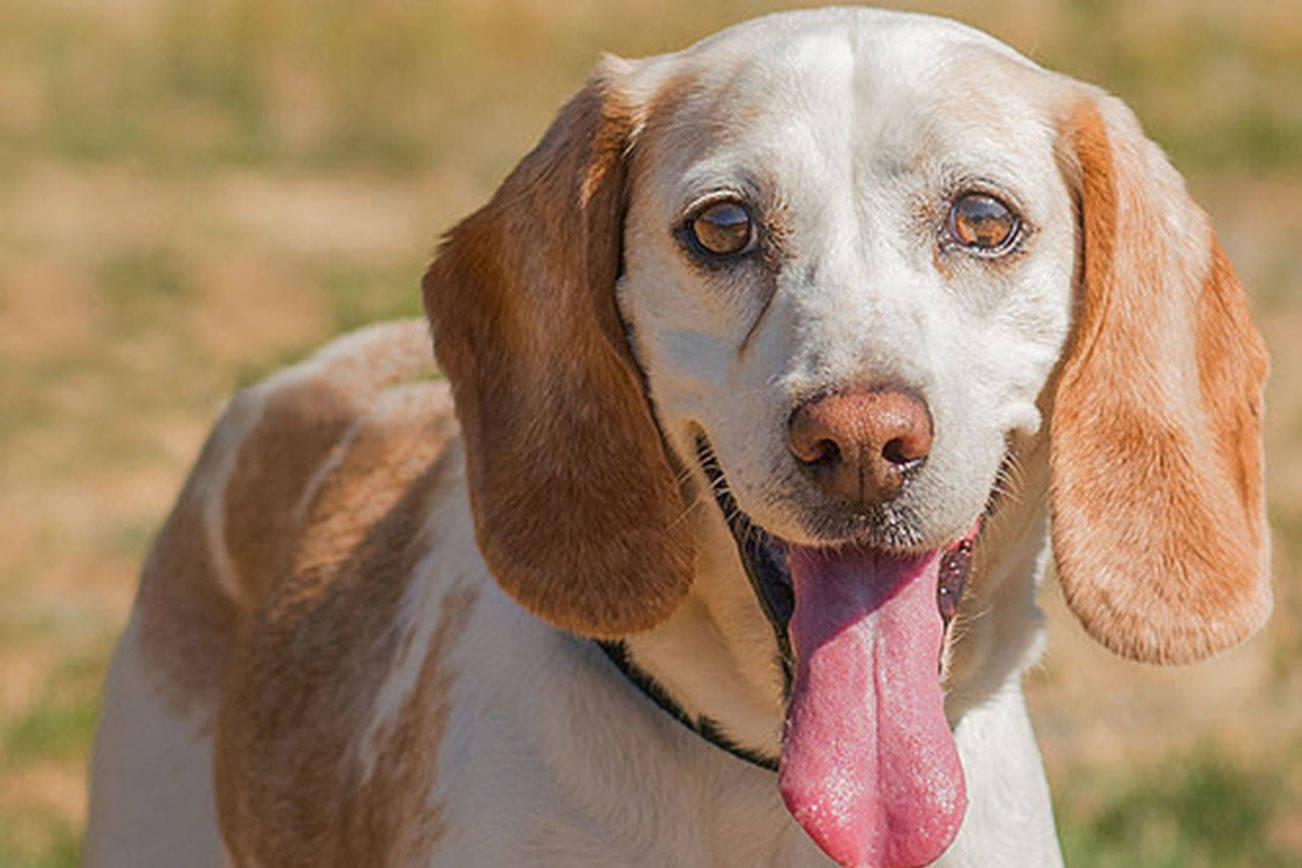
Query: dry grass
point(192, 193)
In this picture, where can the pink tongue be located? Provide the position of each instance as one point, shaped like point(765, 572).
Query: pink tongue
point(869, 767)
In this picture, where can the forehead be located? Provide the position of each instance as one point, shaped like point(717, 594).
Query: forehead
point(834, 91)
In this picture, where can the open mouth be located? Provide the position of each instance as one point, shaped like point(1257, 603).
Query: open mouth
point(868, 764)
point(765, 559)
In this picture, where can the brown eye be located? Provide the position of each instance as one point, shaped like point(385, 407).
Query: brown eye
point(982, 222)
point(723, 229)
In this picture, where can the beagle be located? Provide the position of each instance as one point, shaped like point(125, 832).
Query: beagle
point(775, 375)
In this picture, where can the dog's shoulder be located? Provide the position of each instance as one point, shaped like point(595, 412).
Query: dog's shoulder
point(284, 587)
point(293, 481)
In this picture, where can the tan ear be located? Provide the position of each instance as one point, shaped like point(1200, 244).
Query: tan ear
point(576, 508)
point(1159, 529)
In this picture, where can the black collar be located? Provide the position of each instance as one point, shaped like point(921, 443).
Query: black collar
point(706, 727)
point(776, 607)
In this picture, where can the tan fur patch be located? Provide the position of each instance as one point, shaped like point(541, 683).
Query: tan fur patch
point(311, 659)
point(575, 504)
point(240, 513)
point(390, 816)
point(300, 427)
point(1158, 523)
point(1232, 364)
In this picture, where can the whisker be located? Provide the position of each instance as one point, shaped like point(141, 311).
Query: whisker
point(686, 511)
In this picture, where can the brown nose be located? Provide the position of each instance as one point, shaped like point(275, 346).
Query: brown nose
point(859, 445)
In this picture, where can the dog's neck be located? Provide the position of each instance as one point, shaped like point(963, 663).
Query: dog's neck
point(715, 659)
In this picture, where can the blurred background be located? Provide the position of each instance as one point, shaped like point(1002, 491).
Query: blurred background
point(194, 193)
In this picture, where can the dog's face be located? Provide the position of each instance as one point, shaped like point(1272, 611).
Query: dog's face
point(834, 268)
point(853, 176)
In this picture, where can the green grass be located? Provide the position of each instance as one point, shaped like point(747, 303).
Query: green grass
point(359, 295)
point(59, 726)
point(55, 730)
point(315, 85)
point(143, 288)
point(1200, 811)
point(355, 294)
point(61, 722)
point(33, 838)
point(1220, 85)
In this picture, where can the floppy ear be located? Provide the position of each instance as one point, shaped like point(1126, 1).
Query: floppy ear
point(576, 508)
point(1159, 529)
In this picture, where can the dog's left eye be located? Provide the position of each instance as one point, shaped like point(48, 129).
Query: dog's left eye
point(722, 229)
point(982, 223)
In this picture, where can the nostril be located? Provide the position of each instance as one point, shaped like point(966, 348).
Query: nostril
point(895, 452)
point(825, 454)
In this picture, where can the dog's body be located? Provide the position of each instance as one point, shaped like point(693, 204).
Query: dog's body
point(345, 647)
point(457, 728)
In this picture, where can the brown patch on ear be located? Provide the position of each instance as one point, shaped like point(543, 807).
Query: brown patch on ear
point(576, 509)
point(1159, 529)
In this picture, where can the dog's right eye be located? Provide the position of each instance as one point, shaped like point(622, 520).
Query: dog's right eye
point(722, 229)
point(983, 223)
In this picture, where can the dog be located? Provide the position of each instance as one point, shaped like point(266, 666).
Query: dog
point(775, 375)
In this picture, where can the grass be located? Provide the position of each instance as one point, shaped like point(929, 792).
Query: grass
point(39, 838)
point(61, 721)
point(1203, 810)
point(358, 295)
point(193, 194)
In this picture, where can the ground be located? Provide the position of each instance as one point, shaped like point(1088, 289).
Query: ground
point(193, 193)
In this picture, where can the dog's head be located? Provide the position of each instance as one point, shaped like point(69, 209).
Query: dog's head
point(831, 267)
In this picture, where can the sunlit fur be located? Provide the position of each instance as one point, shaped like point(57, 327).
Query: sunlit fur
point(361, 638)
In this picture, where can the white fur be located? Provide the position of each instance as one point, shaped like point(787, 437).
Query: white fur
point(151, 802)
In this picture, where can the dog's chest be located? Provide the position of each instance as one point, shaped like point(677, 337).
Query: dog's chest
point(550, 757)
